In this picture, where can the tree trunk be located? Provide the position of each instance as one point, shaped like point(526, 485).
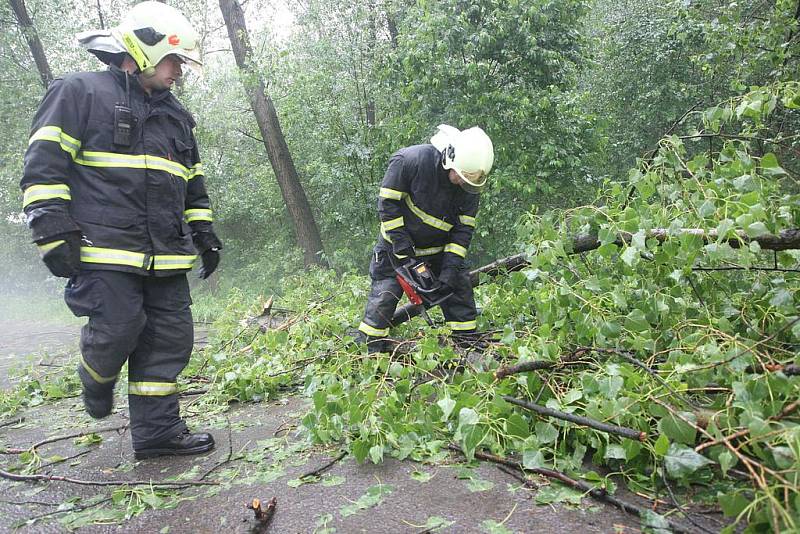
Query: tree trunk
point(29, 31)
point(306, 231)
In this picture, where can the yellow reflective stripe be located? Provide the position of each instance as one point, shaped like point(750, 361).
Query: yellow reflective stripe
point(47, 247)
point(95, 375)
point(391, 225)
point(456, 249)
point(467, 220)
point(372, 331)
point(152, 389)
point(463, 325)
point(131, 161)
point(44, 192)
point(54, 133)
point(112, 256)
point(195, 171)
point(427, 251)
point(198, 214)
point(393, 194)
point(173, 262)
point(430, 220)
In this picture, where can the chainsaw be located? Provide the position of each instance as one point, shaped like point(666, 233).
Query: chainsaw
point(421, 286)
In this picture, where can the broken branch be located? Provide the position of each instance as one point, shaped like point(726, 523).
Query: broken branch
point(585, 421)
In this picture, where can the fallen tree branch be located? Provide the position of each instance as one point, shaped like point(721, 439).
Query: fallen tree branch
point(320, 470)
point(58, 478)
point(585, 421)
point(62, 438)
point(585, 487)
point(788, 370)
point(788, 410)
point(788, 239)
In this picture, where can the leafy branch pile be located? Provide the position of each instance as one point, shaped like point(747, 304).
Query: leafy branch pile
point(690, 340)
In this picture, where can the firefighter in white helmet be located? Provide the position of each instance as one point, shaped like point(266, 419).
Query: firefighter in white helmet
point(427, 204)
point(116, 200)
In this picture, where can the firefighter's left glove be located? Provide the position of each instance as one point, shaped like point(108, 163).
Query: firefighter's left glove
point(210, 261)
point(62, 254)
point(208, 245)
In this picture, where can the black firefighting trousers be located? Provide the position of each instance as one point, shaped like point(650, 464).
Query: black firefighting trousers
point(147, 321)
point(459, 310)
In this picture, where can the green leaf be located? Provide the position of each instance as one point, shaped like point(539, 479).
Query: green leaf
point(333, 480)
point(435, 523)
point(557, 493)
point(376, 454)
point(467, 416)
point(476, 485)
point(661, 445)
point(615, 451)
point(421, 476)
point(636, 321)
point(630, 256)
point(770, 166)
point(490, 526)
point(681, 461)
point(678, 430)
point(732, 504)
point(447, 404)
point(757, 229)
point(546, 432)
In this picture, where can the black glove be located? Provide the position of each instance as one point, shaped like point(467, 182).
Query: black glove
point(63, 259)
point(210, 261)
point(208, 245)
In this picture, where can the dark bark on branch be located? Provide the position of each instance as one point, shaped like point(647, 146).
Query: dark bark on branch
point(788, 370)
point(785, 240)
point(585, 421)
point(56, 478)
point(34, 43)
point(62, 438)
point(579, 485)
point(305, 227)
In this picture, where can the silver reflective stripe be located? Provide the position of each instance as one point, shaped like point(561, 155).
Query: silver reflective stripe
point(112, 256)
point(95, 375)
point(196, 170)
point(391, 225)
point(430, 220)
point(427, 251)
point(467, 220)
point(173, 262)
point(393, 194)
point(462, 325)
point(45, 192)
point(54, 133)
point(198, 214)
point(372, 331)
point(456, 249)
point(152, 389)
point(131, 161)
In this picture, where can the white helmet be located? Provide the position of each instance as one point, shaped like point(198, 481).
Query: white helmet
point(470, 153)
point(149, 32)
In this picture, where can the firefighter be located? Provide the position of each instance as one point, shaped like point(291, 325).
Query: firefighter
point(114, 195)
point(427, 205)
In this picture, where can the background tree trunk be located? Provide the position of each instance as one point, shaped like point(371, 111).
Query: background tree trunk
point(306, 230)
point(29, 31)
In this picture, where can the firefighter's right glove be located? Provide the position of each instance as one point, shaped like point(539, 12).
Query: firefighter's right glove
point(62, 254)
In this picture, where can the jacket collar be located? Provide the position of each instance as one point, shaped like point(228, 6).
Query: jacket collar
point(136, 86)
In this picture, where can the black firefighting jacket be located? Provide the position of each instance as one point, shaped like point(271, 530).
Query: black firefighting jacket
point(419, 208)
point(137, 205)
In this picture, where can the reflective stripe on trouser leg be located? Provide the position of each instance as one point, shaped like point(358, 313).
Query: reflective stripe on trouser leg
point(459, 310)
point(112, 301)
point(162, 352)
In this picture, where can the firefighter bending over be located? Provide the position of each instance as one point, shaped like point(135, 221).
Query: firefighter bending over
point(114, 194)
point(427, 205)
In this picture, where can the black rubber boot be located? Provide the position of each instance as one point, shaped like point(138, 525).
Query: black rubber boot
point(183, 444)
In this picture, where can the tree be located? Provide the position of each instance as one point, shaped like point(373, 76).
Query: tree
point(29, 31)
point(306, 231)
